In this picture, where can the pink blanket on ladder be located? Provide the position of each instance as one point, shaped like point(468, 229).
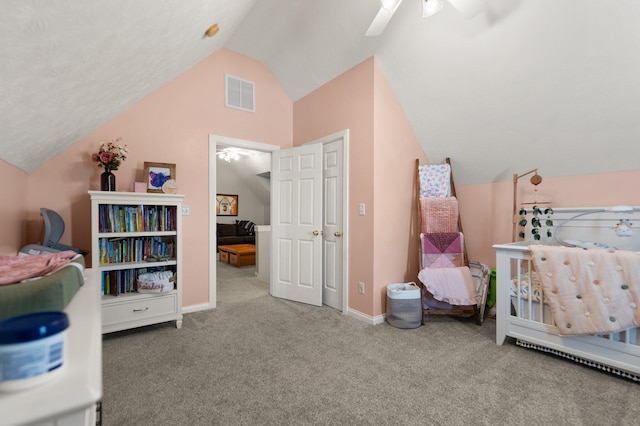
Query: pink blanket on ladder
point(439, 215)
point(442, 250)
point(450, 285)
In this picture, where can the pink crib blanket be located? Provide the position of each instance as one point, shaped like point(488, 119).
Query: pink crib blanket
point(595, 291)
point(14, 269)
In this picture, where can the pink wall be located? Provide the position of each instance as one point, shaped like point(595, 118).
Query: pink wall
point(12, 226)
point(383, 148)
point(396, 226)
point(346, 102)
point(486, 210)
point(170, 126)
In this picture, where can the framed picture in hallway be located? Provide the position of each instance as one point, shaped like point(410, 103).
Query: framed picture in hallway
point(226, 205)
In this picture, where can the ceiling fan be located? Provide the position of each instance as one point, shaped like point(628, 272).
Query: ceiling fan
point(469, 8)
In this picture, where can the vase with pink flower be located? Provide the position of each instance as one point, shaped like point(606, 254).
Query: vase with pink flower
point(110, 156)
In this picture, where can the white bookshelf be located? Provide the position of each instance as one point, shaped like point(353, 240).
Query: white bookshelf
point(133, 233)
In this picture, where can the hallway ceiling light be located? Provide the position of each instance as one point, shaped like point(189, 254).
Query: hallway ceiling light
point(230, 153)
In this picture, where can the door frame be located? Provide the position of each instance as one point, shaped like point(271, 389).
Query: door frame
point(214, 141)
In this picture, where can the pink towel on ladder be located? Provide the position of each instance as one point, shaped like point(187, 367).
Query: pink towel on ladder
point(439, 215)
point(451, 285)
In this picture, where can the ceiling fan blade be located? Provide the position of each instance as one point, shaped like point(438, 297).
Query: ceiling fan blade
point(383, 17)
point(468, 8)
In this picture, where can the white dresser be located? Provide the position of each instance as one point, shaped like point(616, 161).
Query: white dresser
point(70, 398)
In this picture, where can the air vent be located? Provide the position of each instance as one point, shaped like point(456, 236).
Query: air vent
point(240, 94)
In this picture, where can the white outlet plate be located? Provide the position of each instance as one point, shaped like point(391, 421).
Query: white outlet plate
point(186, 210)
point(361, 209)
point(361, 287)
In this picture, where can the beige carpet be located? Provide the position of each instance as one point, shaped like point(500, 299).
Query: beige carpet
point(258, 360)
point(238, 284)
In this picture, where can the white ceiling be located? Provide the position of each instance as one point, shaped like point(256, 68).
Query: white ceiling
point(528, 83)
point(69, 66)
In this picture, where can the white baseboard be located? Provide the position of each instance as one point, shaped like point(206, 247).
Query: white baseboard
point(351, 312)
point(366, 318)
point(196, 308)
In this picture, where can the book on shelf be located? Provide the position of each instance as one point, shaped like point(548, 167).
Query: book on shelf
point(135, 249)
point(115, 283)
point(124, 218)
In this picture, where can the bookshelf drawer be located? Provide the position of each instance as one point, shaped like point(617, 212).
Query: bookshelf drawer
point(139, 309)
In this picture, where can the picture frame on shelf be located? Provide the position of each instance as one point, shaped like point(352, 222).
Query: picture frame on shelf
point(157, 174)
point(226, 205)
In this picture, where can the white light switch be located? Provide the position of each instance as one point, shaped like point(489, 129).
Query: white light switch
point(186, 210)
point(361, 209)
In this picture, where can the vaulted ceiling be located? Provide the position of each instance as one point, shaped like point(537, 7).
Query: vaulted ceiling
point(527, 83)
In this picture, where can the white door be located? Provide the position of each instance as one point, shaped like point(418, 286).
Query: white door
point(296, 224)
point(332, 228)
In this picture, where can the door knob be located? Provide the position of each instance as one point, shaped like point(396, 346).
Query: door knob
point(338, 234)
point(316, 233)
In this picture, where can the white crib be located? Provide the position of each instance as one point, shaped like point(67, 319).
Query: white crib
point(522, 314)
